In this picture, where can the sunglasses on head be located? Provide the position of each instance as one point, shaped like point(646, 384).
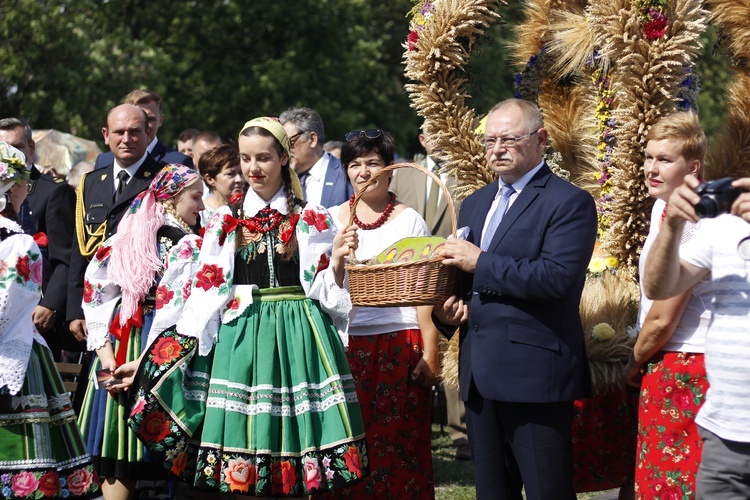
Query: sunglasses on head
point(373, 133)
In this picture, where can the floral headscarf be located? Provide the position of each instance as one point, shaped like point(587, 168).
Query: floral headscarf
point(135, 257)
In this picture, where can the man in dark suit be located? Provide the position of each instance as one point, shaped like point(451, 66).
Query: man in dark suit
point(105, 194)
point(150, 103)
point(522, 357)
point(50, 205)
point(321, 176)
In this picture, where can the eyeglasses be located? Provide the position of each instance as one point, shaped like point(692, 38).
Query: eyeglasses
point(293, 139)
point(373, 133)
point(506, 142)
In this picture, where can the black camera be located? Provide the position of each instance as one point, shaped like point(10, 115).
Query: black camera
point(716, 197)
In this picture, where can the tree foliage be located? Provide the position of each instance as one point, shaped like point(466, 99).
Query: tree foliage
point(63, 64)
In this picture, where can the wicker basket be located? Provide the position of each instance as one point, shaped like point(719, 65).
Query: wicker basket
point(419, 283)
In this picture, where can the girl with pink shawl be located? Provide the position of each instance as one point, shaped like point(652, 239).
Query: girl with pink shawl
point(127, 295)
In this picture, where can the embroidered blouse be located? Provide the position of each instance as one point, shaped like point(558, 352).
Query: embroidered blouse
point(20, 291)
point(243, 254)
point(101, 295)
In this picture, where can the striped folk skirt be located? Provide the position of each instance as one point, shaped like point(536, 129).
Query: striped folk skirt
point(114, 448)
point(43, 454)
point(271, 411)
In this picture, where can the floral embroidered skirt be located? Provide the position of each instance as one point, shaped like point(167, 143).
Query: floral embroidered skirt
point(396, 411)
point(669, 447)
point(271, 411)
point(115, 449)
point(604, 436)
point(43, 454)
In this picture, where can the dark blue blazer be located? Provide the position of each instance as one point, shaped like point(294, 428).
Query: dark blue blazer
point(523, 341)
point(336, 187)
point(160, 153)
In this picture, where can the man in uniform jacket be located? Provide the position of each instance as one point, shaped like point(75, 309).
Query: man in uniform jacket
point(522, 351)
point(105, 196)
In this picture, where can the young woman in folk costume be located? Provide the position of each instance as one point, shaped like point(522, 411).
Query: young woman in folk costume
point(119, 302)
point(43, 454)
point(259, 399)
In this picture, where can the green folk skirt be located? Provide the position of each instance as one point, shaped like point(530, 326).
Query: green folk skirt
point(271, 411)
point(43, 454)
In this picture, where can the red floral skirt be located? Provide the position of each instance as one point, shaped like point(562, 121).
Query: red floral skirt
point(604, 441)
point(396, 414)
point(669, 447)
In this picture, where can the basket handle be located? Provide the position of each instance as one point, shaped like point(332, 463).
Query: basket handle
point(396, 166)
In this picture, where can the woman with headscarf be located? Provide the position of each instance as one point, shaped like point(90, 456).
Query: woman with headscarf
point(43, 454)
point(258, 398)
point(121, 296)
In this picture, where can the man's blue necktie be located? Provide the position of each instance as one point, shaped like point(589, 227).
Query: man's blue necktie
point(505, 192)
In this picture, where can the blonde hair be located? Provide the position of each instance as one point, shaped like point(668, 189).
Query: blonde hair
point(682, 126)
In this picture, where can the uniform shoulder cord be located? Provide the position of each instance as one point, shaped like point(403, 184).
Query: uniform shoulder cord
point(88, 241)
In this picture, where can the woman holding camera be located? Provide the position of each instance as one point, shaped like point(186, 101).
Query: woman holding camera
point(669, 350)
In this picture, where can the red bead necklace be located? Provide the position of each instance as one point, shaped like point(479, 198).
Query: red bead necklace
point(264, 221)
point(381, 220)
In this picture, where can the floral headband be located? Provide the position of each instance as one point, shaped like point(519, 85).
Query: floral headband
point(12, 165)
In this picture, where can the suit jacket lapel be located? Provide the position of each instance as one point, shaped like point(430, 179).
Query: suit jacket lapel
point(520, 204)
point(159, 150)
point(334, 175)
point(325, 196)
point(105, 178)
point(420, 192)
point(483, 208)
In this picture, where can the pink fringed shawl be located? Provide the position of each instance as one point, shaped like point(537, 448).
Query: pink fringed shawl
point(135, 255)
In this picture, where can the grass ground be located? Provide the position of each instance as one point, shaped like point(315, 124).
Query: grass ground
point(454, 480)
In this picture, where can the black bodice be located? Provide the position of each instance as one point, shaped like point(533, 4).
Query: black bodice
point(258, 258)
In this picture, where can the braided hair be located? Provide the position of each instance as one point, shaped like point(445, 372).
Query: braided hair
point(170, 209)
point(286, 177)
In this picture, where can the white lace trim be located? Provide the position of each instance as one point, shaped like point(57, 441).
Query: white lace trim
point(14, 359)
point(38, 417)
point(98, 335)
point(283, 390)
point(196, 396)
point(47, 463)
point(280, 411)
point(245, 292)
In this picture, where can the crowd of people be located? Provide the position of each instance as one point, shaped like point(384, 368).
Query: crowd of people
point(208, 287)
